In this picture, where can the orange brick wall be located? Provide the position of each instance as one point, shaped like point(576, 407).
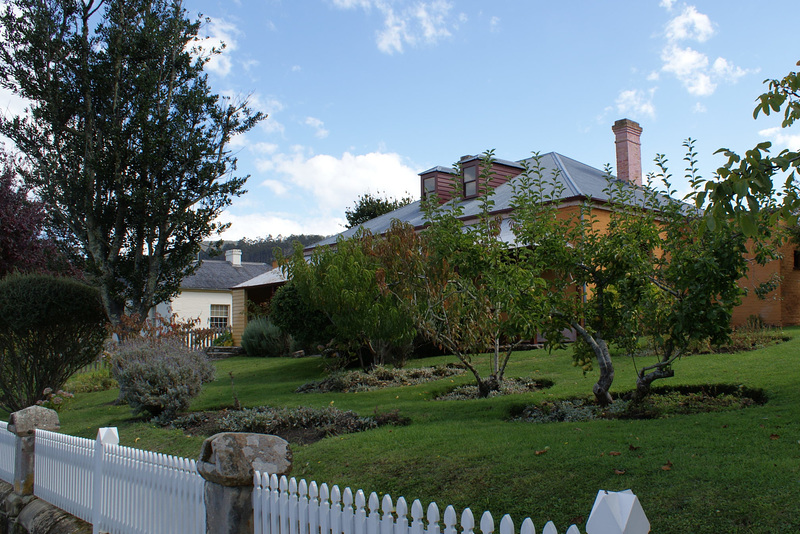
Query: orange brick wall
point(780, 307)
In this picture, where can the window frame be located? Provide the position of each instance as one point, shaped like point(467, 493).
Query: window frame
point(217, 320)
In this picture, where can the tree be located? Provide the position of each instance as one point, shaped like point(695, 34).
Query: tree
point(49, 328)
point(745, 187)
point(124, 141)
point(465, 289)
point(23, 245)
point(342, 283)
point(369, 206)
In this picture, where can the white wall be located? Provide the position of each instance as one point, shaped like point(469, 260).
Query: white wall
point(191, 304)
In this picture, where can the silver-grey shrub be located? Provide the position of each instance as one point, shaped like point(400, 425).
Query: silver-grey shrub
point(263, 338)
point(159, 378)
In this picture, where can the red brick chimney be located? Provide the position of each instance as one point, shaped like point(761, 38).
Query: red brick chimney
point(629, 150)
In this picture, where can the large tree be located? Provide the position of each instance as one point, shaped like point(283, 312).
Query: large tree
point(369, 206)
point(124, 141)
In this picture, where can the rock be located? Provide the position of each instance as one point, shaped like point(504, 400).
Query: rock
point(230, 458)
point(24, 422)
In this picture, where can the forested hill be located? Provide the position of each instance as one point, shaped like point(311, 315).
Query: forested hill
point(261, 249)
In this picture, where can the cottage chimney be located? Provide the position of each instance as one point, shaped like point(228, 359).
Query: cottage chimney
point(234, 257)
point(629, 150)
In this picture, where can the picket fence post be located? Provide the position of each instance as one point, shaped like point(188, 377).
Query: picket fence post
point(110, 436)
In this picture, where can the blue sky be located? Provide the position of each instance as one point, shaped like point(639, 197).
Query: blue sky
point(364, 94)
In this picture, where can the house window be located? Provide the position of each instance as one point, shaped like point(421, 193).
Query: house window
point(218, 317)
point(429, 186)
point(470, 181)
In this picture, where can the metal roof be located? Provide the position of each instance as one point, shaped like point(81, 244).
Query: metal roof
point(275, 276)
point(579, 181)
point(222, 275)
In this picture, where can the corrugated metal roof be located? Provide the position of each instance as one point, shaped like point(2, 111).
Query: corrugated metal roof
point(275, 276)
point(579, 181)
point(221, 275)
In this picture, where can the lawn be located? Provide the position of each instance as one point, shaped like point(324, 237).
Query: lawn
point(730, 471)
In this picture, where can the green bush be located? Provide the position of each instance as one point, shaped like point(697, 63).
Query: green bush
point(160, 378)
point(307, 325)
point(100, 380)
point(262, 338)
point(49, 328)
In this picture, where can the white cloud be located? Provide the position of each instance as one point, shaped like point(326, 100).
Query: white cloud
point(637, 103)
point(271, 107)
point(698, 75)
point(408, 23)
point(331, 183)
point(667, 4)
point(277, 187)
point(255, 225)
point(219, 32)
point(690, 25)
point(780, 139)
point(699, 108)
point(494, 24)
point(319, 126)
point(264, 148)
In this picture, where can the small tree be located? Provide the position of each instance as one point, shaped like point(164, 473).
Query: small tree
point(465, 289)
point(49, 328)
point(369, 206)
point(341, 282)
point(297, 318)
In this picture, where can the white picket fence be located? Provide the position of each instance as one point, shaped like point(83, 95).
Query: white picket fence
point(119, 489)
point(8, 447)
point(286, 506)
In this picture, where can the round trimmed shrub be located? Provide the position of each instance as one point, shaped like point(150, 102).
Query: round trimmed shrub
point(50, 327)
point(159, 378)
point(263, 338)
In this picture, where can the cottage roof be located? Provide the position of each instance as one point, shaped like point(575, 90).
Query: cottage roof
point(275, 276)
point(580, 181)
point(222, 275)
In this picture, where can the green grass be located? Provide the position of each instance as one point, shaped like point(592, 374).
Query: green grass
point(733, 471)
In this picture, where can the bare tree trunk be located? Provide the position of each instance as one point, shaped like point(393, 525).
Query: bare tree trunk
point(600, 349)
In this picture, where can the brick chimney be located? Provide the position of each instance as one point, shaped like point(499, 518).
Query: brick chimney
point(234, 257)
point(629, 150)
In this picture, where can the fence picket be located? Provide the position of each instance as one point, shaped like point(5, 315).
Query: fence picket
point(416, 517)
point(450, 520)
point(527, 527)
point(506, 525)
point(487, 523)
point(401, 508)
point(433, 519)
point(467, 522)
point(549, 528)
point(360, 526)
point(348, 512)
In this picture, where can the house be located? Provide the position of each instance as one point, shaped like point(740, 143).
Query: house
point(581, 182)
point(206, 294)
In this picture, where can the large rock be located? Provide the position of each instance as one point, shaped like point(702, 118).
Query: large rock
point(24, 422)
point(231, 458)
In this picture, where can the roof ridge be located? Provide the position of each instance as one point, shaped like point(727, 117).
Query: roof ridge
point(567, 178)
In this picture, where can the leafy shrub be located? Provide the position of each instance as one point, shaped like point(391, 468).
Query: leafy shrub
point(295, 317)
point(269, 420)
point(509, 386)
point(49, 328)
point(160, 379)
point(223, 340)
point(100, 380)
point(262, 338)
point(379, 377)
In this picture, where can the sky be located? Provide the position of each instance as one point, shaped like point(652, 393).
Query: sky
point(363, 95)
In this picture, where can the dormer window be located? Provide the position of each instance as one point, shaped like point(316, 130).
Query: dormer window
point(470, 181)
point(429, 186)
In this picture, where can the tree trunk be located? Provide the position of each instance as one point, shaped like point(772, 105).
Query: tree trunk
point(600, 349)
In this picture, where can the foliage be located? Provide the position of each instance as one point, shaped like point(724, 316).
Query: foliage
point(296, 317)
point(369, 206)
point(263, 338)
point(124, 142)
point(23, 245)
point(99, 380)
point(261, 250)
point(378, 377)
point(49, 328)
point(278, 420)
point(342, 283)
point(158, 379)
point(223, 340)
point(462, 286)
point(55, 400)
point(747, 186)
